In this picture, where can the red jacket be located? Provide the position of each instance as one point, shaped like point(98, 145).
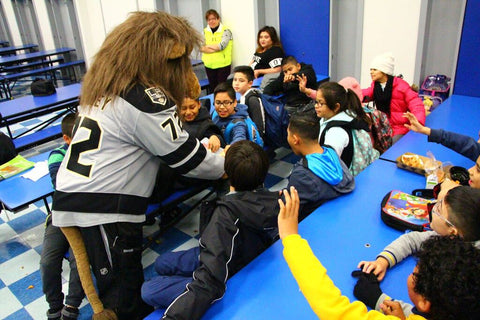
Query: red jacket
point(403, 99)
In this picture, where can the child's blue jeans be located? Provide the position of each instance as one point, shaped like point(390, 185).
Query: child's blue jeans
point(175, 271)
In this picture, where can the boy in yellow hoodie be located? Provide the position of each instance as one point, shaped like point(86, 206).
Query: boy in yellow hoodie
point(443, 285)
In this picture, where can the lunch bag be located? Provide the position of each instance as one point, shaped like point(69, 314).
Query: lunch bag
point(403, 211)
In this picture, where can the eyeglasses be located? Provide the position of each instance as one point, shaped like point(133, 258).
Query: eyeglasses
point(223, 103)
point(436, 211)
point(320, 104)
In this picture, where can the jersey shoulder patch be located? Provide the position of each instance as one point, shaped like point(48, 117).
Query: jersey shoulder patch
point(148, 100)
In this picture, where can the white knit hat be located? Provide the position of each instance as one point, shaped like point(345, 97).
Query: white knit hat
point(384, 62)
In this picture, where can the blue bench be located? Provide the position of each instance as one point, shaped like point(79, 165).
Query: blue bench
point(5, 51)
point(169, 205)
point(38, 137)
point(31, 65)
point(205, 85)
point(8, 79)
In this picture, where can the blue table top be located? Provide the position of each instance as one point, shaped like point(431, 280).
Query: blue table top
point(341, 232)
point(13, 49)
point(26, 104)
point(17, 191)
point(34, 55)
point(459, 114)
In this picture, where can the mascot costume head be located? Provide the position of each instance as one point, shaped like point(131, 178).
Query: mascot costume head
point(149, 48)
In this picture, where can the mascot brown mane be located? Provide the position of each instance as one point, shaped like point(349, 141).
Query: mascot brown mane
point(151, 49)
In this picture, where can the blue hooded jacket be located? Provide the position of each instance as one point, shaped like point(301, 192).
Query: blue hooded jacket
point(239, 131)
point(319, 177)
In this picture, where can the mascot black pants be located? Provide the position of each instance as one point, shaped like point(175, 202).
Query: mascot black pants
point(115, 253)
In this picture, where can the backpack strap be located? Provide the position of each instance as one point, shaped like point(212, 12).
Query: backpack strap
point(347, 154)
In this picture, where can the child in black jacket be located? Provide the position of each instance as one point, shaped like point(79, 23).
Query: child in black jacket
point(240, 228)
point(288, 83)
point(197, 122)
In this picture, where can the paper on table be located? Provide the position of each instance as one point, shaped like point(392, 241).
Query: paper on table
point(40, 169)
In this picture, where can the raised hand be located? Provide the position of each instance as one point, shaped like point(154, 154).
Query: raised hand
point(414, 125)
point(288, 215)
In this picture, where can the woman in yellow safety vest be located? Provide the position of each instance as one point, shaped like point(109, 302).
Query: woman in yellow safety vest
point(217, 51)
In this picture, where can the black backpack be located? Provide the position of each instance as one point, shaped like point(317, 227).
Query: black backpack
point(42, 87)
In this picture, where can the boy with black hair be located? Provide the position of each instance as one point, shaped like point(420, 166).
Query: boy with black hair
point(232, 117)
point(288, 83)
point(443, 285)
point(243, 77)
point(239, 229)
point(55, 246)
point(320, 175)
point(197, 122)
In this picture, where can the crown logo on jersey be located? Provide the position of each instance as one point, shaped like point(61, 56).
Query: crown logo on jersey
point(156, 95)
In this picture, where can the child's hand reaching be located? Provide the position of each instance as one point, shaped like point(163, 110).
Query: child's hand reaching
point(302, 83)
point(392, 308)
point(415, 125)
point(288, 215)
point(214, 143)
point(379, 267)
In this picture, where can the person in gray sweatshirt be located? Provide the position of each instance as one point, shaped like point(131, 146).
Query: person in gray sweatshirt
point(458, 213)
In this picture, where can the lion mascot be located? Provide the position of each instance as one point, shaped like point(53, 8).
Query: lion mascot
point(127, 124)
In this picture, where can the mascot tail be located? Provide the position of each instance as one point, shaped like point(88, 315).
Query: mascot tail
point(75, 240)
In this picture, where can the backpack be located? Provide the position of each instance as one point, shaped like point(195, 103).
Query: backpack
point(359, 152)
point(276, 120)
point(403, 211)
point(42, 87)
point(252, 131)
point(436, 85)
point(380, 129)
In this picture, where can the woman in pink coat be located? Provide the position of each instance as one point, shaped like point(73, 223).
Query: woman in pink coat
point(393, 95)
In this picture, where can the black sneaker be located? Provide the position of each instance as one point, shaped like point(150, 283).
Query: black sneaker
point(54, 314)
point(69, 313)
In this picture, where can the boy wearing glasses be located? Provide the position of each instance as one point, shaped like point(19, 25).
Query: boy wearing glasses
point(232, 118)
point(455, 214)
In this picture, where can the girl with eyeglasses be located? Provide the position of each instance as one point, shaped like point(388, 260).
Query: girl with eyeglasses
point(341, 113)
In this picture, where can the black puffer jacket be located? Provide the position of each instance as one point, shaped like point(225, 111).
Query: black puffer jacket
point(240, 228)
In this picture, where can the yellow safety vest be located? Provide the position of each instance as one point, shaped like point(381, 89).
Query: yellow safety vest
point(219, 59)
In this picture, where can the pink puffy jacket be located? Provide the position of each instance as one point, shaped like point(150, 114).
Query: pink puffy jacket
point(403, 99)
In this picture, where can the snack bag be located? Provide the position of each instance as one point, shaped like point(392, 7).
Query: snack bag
point(433, 171)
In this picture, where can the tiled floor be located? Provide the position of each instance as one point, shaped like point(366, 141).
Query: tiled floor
point(21, 235)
